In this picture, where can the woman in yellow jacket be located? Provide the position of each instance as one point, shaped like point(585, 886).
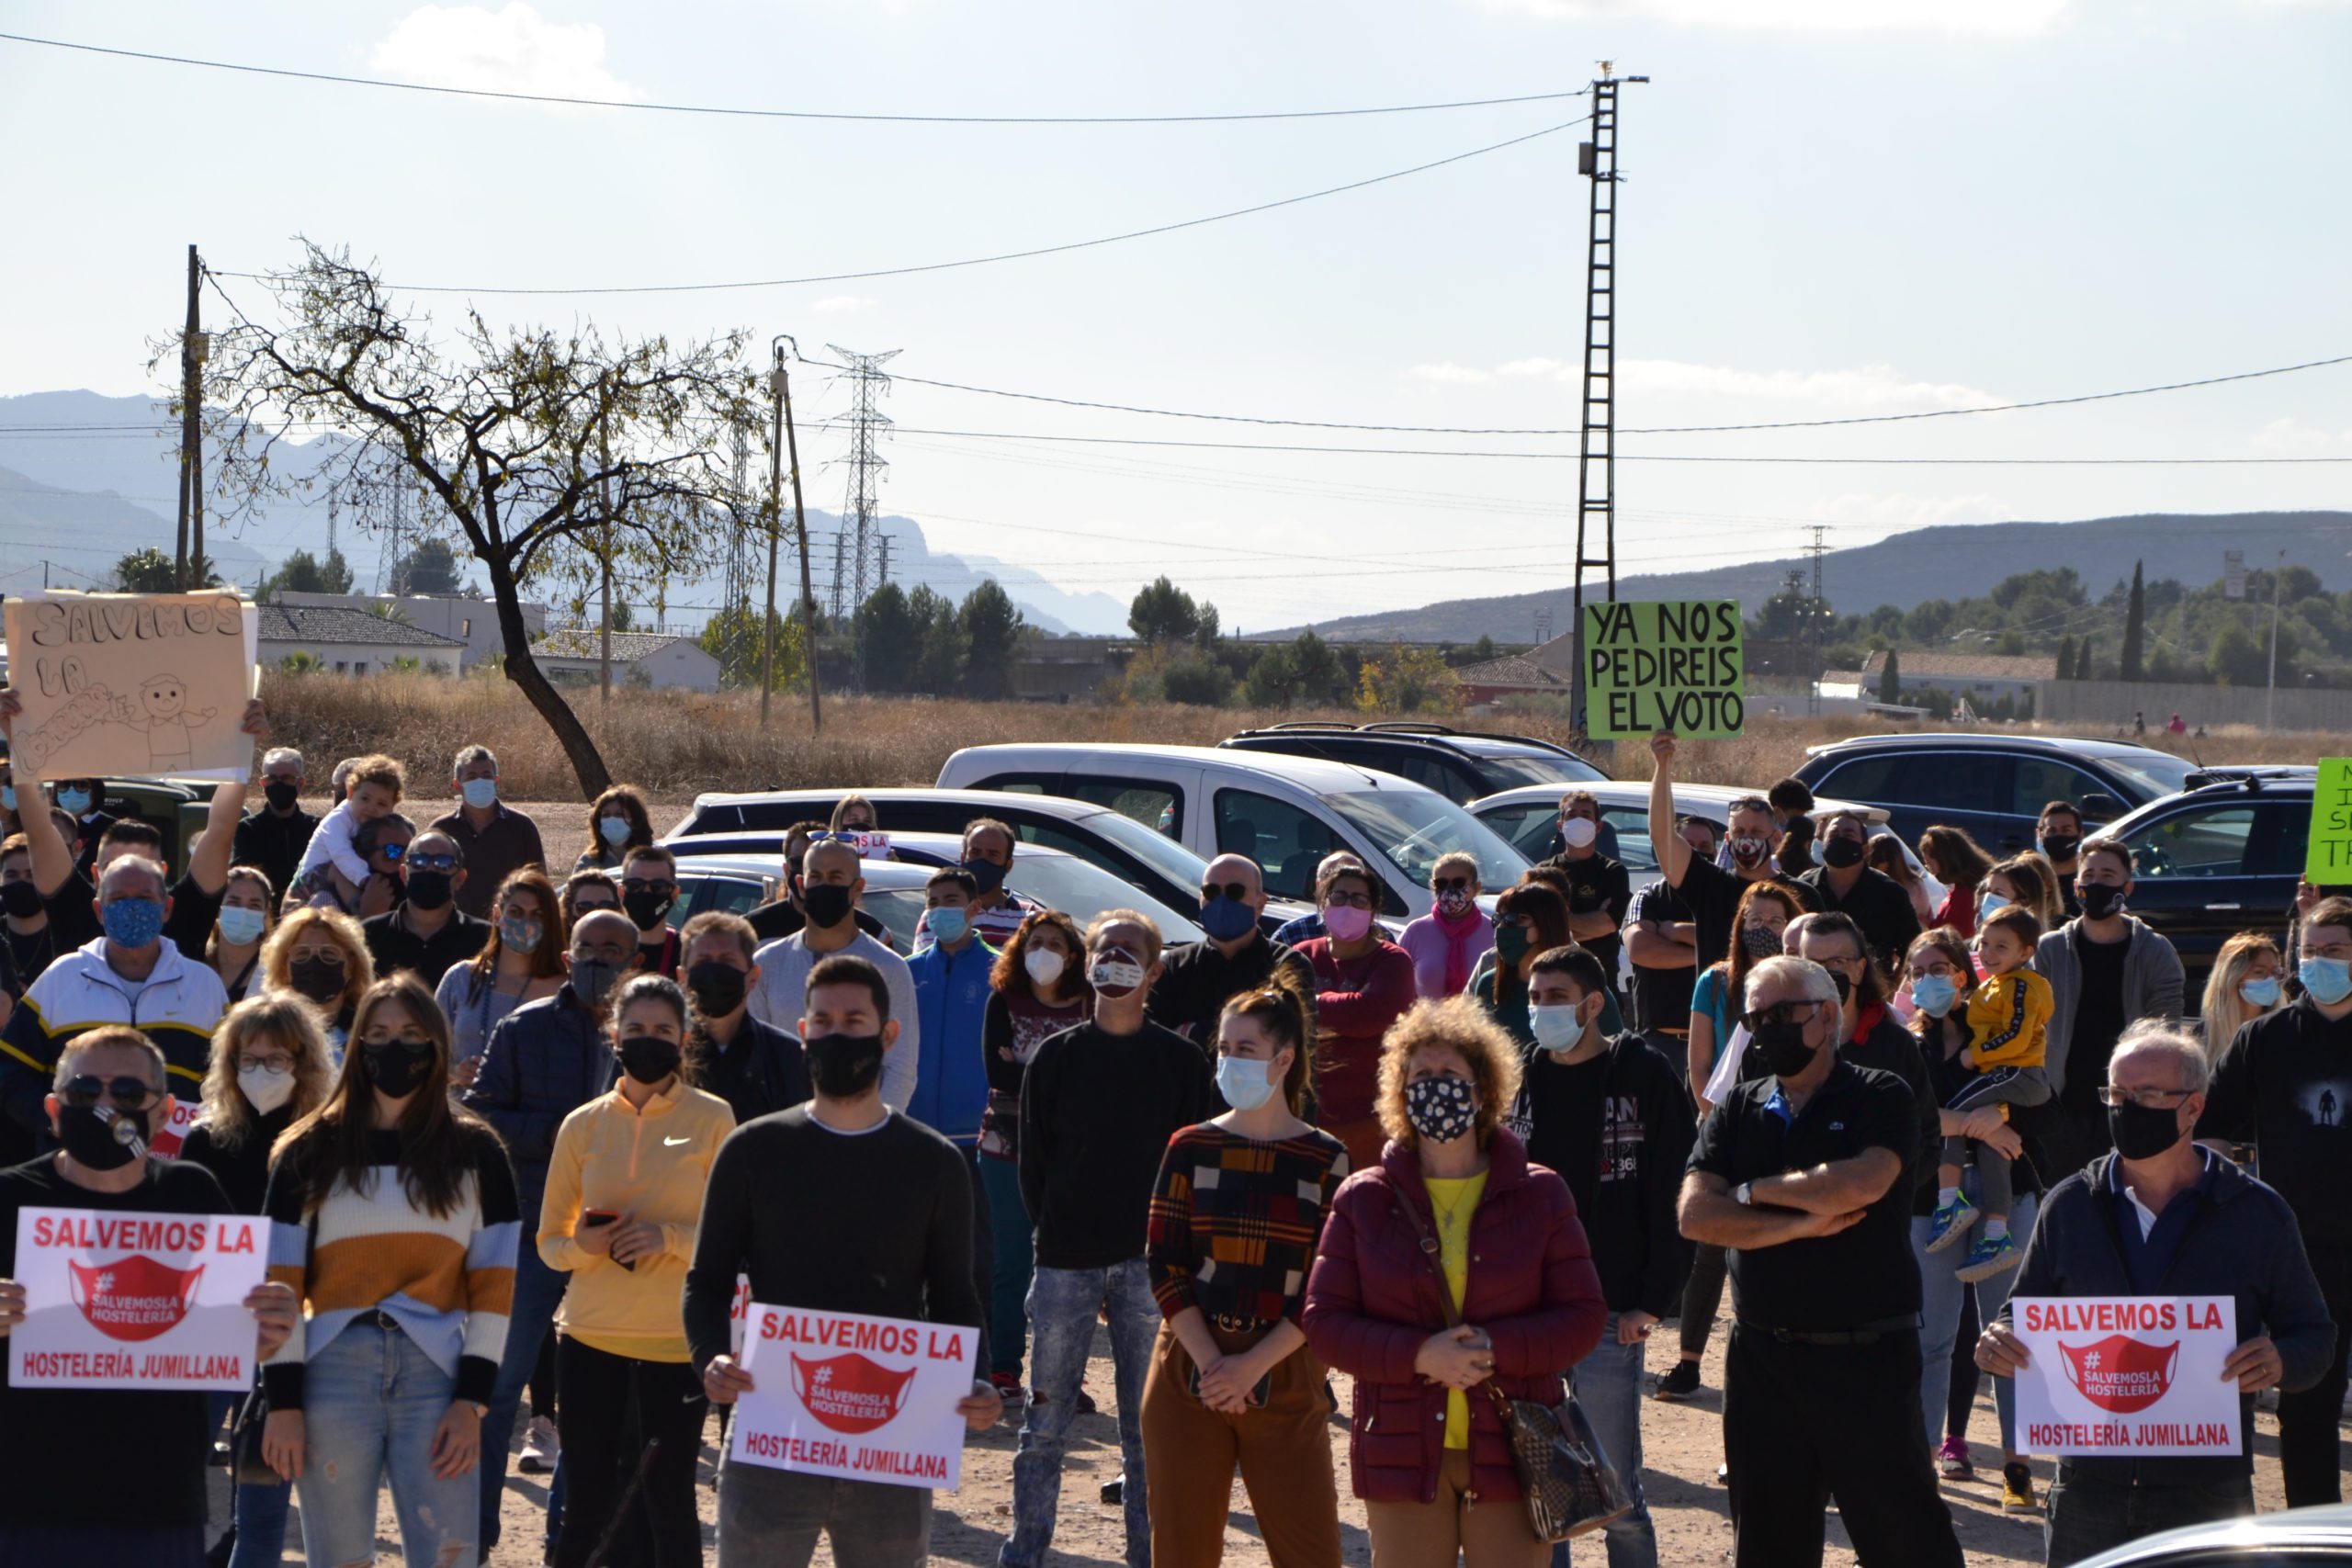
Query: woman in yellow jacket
point(624, 1197)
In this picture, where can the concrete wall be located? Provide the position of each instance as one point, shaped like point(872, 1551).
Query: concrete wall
point(2102, 706)
point(679, 665)
point(362, 658)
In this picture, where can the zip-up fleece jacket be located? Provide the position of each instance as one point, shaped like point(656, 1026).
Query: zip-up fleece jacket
point(650, 1167)
point(2242, 1243)
point(545, 1060)
point(176, 1009)
point(2008, 1020)
point(952, 995)
point(2151, 985)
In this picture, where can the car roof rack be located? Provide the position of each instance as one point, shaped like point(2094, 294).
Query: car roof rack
point(2246, 775)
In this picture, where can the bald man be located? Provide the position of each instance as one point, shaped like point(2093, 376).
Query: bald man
point(1238, 956)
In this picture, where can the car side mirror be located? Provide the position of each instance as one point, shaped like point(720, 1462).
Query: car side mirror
point(2101, 809)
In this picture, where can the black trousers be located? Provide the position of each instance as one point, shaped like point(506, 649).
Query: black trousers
point(2307, 1450)
point(1806, 1423)
point(599, 1390)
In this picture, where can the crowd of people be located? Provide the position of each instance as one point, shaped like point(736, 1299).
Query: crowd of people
point(517, 1139)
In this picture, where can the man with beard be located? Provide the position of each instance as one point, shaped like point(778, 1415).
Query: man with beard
point(1712, 893)
point(831, 878)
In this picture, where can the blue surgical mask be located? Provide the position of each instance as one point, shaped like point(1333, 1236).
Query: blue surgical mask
point(614, 829)
point(132, 922)
point(9, 796)
point(77, 801)
point(2327, 981)
point(1934, 994)
point(479, 794)
point(240, 926)
point(1988, 904)
point(1245, 1083)
point(2262, 993)
point(948, 926)
point(1555, 1024)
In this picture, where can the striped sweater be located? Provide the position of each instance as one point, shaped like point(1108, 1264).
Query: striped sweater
point(448, 1280)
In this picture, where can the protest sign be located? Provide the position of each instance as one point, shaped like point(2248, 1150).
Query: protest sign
point(2126, 1374)
point(870, 843)
point(2328, 861)
point(1663, 664)
point(132, 685)
point(862, 1398)
point(738, 1312)
point(188, 1109)
point(134, 1300)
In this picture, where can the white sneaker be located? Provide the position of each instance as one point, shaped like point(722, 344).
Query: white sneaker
point(540, 1448)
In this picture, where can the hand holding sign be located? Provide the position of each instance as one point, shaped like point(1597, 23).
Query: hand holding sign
point(2328, 859)
point(1672, 664)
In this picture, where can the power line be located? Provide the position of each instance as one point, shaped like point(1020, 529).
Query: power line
point(968, 261)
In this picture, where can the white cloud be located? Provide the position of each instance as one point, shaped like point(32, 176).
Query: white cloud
point(2007, 18)
point(1867, 389)
point(509, 51)
point(2293, 437)
point(843, 305)
point(1450, 375)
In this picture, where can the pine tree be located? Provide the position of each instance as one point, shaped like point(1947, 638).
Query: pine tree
point(2135, 627)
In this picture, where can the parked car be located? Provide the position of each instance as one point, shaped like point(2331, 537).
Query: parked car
point(1284, 812)
point(2298, 1537)
point(1462, 765)
point(2219, 858)
point(1993, 787)
point(174, 807)
point(1097, 834)
point(1529, 817)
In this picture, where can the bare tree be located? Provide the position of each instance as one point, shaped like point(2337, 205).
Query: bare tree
point(544, 451)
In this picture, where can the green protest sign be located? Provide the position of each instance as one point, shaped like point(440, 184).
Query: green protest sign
point(1664, 664)
point(2329, 859)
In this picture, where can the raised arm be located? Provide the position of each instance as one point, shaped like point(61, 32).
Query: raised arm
point(1673, 854)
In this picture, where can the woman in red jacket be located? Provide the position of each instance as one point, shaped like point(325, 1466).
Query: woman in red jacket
point(1422, 1450)
point(1363, 983)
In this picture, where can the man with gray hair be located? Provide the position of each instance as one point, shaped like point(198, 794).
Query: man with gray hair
point(272, 837)
point(2163, 1215)
point(1799, 1175)
point(495, 839)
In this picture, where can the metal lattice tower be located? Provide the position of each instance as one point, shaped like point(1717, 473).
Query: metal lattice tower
point(859, 523)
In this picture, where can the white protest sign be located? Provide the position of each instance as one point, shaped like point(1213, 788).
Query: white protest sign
point(132, 685)
point(738, 1312)
point(135, 1300)
point(869, 845)
point(188, 1109)
point(862, 1398)
point(2126, 1374)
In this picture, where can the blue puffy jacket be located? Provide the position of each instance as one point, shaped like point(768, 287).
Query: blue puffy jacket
point(952, 1000)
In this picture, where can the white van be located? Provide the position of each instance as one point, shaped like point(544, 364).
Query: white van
point(1286, 813)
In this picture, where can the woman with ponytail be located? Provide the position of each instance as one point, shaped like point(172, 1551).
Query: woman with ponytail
point(1232, 1383)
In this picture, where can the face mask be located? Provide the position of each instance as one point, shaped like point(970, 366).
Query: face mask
point(2143, 1131)
point(1748, 849)
point(264, 1091)
point(132, 922)
point(647, 1058)
point(1783, 1048)
point(479, 794)
point(1841, 855)
point(2061, 846)
point(1934, 994)
point(592, 980)
point(826, 905)
point(948, 926)
point(99, 1138)
point(9, 796)
point(1453, 903)
point(520, 933)
point(1227, 920)
point(1988, 904)
point(988, 873)
point(1578, 832)
point(396, 1067)
point(717, 988)
point(613, 831)
point(843, 1067)
point(2327, 981)
point(1246, 1083)
point(2101, 899)
point(1761, 941)
point(1346, 922)
point(1556, 1026)
point(429, 890)
point(1114, 974)
point(77, 801)
point(1440, 1108)
point(645, 905)
point(1044, 965)
point(2263, 993)
point(281, 796)
point(1512, 944)
point(1845, 984)
point(239, 926)
point(20, 898)
point(317, 979)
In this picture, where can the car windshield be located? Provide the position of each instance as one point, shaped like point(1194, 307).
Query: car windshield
point(1157, 850)
point(1413, 827)
point(1083, 891)
point(1509, 769)
point(2156, 773)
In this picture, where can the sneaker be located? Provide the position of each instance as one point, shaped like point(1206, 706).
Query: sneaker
point(1008, 1387)
point(1951, 1224)
point(2017, 1490)
point(1952, 1459)
point(540, 1448)
point(1678, 1382)
point(1085, 1406)
point(1114, 1490)
point(1992, 1255)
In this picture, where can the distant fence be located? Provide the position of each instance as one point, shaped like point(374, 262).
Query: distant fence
point(2103, 707)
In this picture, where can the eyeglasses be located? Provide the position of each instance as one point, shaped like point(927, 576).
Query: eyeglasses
point(275, 1066)
point(126, 1093)
point(1782, 1012)
point(1352, 900)
point(433, 862)
point(330, 956)
point(2148, 1098)
point(1236, 891)
point(1451, 885)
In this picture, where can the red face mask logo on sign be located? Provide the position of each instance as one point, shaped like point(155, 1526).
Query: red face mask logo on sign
point(850, 1394)
point(134, 1298)
point(2120, 1373)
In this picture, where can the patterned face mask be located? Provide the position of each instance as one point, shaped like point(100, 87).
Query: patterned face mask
point(1440, 1107)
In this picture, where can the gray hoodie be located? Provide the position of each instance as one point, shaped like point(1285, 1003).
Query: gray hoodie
point(2152, 983)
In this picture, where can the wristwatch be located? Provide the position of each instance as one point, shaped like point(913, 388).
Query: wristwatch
point(1740, 1194)
point(481, 1410)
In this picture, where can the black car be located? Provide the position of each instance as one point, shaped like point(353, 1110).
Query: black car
point(2220, 857)
point(1992, 786)
point(1462, 765)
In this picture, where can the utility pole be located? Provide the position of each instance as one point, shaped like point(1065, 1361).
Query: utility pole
point(1597, 457)
point(2270, 692)
point(1816, 611)
point(605, 488)
point(800, 527)
point(193, 354)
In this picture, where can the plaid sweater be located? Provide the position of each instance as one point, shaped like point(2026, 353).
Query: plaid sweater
point(1235, 1220)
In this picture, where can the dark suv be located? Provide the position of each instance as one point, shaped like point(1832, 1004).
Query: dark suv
point(2220, 857)
point(1992, 785)
point(1462, 765)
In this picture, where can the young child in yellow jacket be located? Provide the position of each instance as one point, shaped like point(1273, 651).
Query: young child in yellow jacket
point(2008, 1027)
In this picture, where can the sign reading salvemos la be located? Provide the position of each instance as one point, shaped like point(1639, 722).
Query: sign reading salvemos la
point(1663, 664)
point(133, 1300)
point(2126, 1374)
point(863, 1398)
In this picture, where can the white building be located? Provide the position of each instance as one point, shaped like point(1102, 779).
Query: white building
point(352, 642)
point(661, 660)
point(473, 621)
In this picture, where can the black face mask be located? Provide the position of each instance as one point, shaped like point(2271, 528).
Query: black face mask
point(843, 1067)
point(99, 1142)
point(2062, 846)
point(827, 904)
point(1845, 984)
point(1782, 1047)
point(429, 890)
point(2099, 899)
point(717, 988)
point(281, 796)
point(396, 1067)
point(647, 1058)
point(20, 898)
point(2143, 1131)
point(646, 907)
point(987, 872)
point(1840, 854)
point(316, 978)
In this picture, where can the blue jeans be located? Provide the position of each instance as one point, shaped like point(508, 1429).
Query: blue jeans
point(1007, 1299)
point(1608, 1385)
point(1062, 1306)
point(1940, 1289)
point(257, 1513)
point(371, 1401)
point(2088, 1517)
point(539, 1289)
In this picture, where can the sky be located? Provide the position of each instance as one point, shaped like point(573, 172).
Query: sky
point(1831, 209)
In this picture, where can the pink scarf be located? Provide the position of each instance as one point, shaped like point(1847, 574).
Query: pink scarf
point(1459, 932)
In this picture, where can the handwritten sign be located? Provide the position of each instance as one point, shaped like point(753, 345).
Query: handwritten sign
point(136, 1300)
point(2127, 1374)
point(2329, 859)
point(1663, 664)
point(862, 1398)
point(132, 685)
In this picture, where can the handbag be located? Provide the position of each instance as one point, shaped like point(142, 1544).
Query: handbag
point(246, 1467)
point(1563, 1478)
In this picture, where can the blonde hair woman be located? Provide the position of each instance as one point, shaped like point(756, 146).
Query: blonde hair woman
point(2248, 980)
point(322, 956)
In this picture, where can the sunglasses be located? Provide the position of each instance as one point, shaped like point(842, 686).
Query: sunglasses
point(392, 853)
point(1235, 891)
point(126, 1093)
point(433, 862)
point(1782, 1012)
point(1451, 885)
point(652, 885)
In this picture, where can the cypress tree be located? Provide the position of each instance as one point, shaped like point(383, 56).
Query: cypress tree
point(2066, 657)
point(2135, 627)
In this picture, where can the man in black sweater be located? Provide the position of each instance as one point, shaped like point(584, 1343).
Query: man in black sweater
point(1198, 978)
point(1098, 1106)
point(1876, 901)
point(272, 837)
point(883, 1226)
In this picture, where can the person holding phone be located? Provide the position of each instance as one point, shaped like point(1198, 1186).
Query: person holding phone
point(1235, 1217)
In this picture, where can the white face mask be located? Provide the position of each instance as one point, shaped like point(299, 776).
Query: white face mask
point(264, 1091)
point(1045, 965)
point(1116, 974)
point(1578, 832)
point(1556, 1026)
